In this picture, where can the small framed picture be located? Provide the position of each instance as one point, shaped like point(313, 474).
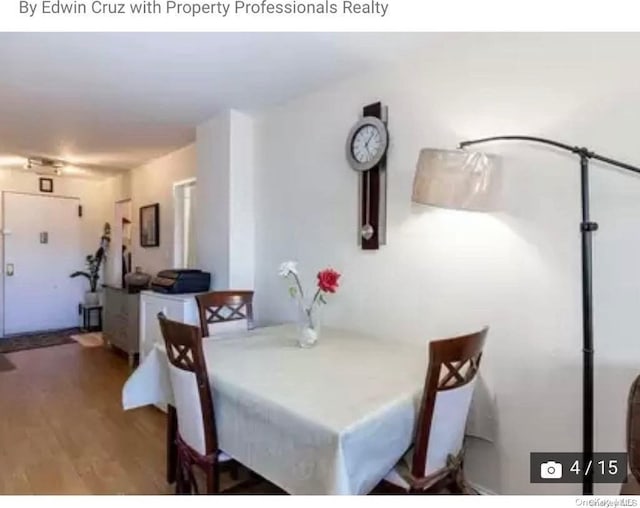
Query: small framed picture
point(46, 184)
point(150, 225)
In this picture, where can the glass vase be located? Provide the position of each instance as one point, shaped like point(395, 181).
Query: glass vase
point(308, 325)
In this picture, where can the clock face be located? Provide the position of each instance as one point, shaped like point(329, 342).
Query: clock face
point(366, 144)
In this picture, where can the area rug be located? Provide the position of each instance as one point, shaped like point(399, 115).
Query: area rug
point(5, 364)
point(93, 339)
point(37, 340)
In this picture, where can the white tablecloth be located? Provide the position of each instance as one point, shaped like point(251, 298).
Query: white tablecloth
point(333, 419)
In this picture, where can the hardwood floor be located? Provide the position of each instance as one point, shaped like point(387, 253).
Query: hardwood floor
point(63, 430)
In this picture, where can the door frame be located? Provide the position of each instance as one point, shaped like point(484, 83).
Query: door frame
point(117, 241)
point(3, 295)
point(178, 222)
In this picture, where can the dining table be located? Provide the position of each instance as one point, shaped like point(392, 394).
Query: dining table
point(331, 419)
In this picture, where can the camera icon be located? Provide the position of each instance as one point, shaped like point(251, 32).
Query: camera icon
point(551, 470)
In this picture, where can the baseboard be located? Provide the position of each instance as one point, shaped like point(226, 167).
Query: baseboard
point(483, 491)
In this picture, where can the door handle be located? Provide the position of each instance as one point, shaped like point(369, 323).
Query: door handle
point(9, 270)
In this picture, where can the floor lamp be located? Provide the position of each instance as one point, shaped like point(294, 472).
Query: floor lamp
point(469, 180)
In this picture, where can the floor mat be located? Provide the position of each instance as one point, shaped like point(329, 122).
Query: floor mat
point(37, 340)
point(5, 364)
point(93, 339)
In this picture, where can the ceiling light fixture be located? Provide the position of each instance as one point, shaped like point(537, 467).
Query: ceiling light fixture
point(43, 165)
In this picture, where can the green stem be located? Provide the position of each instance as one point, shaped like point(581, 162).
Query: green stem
point(315, 298)
point(298, 284)
point(313, 302)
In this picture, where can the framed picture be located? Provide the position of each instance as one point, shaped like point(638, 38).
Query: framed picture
point(46, 184)
point(150, 225)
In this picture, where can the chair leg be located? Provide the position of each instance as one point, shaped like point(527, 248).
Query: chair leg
point(213, 479)
point(234, 471)
point(179, 478)
point(172, 449)
point(462, 484)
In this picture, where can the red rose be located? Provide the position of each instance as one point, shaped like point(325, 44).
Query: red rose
point(328, 280)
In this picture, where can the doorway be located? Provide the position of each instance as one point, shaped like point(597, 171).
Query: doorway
point(42, 247)
point(120, 262)
point(184, 241)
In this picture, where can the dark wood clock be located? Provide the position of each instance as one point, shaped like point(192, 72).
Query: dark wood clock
point(366, 151)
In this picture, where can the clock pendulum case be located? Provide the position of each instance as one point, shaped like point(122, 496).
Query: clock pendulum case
point(366, 152)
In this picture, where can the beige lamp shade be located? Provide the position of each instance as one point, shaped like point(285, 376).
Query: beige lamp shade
point(457, 179)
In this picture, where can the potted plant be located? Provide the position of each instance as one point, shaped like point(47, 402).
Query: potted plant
point(92, 273)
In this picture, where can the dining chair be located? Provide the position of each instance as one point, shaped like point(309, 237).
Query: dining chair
point(225, 311)
point(631, 486)
point(196, 442)
point(437, 455)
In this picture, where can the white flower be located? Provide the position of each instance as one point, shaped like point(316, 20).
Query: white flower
point(287, 268)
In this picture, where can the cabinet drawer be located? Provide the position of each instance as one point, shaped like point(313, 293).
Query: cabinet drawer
point(121, 319)
point(113, 300)
point(117, 333)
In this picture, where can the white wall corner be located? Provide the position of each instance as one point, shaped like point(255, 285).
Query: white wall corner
point(225, 216)
point(212, 198)
point(241, 202)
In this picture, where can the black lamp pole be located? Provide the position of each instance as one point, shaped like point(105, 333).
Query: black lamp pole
point(586, 229)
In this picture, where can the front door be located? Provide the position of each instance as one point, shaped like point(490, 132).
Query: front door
point(41, 249)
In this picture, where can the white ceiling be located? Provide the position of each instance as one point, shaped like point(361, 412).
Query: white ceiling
point(118, 100)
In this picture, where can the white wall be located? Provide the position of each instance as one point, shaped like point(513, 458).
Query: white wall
point(92, 199)
point(225, 221)
point(445, 272)
point(212, 198)
point(146, 185)
point(242, 203)
point(153, 183)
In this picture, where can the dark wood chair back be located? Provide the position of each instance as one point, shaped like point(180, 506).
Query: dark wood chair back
point(452, 371)
point(219, 309)
point(190, 384)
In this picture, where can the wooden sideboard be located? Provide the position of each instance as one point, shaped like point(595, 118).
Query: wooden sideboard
point(121, 321)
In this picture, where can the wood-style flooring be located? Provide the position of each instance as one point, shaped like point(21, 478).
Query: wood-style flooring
point(63, 430)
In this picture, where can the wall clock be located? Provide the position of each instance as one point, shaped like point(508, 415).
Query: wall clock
point(367, 143)
point(366, 151)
